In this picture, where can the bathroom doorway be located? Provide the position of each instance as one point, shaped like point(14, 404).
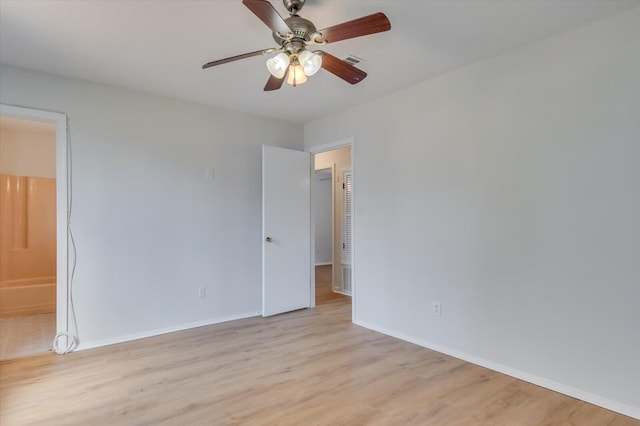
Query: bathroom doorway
point(30, 230)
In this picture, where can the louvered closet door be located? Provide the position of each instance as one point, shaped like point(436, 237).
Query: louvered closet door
point(347, 251)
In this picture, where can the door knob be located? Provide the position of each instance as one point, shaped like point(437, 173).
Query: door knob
point(269, 239)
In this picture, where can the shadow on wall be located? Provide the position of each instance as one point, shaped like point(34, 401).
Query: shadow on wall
point(27, 245)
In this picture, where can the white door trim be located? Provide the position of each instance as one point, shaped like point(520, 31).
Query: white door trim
point(62, 204)
point(350, 141)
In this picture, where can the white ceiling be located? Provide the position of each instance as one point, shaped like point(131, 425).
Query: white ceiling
point(159, 46)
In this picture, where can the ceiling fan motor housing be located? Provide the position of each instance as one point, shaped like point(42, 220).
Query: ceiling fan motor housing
point(301, 28)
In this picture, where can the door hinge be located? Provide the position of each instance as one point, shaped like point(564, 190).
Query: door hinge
point(343, 186)
point(343, 246)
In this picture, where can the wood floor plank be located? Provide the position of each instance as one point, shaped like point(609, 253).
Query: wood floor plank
point(309, 367)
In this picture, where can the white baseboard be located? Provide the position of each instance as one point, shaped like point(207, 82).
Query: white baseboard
point(324, 263)
point(158, 331)
point(598, 400)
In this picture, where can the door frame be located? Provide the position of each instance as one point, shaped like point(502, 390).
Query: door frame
point(63, 182)
point(330, 146)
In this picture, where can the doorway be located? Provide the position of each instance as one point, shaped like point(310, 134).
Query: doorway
point(333, 270)
point(33, 220)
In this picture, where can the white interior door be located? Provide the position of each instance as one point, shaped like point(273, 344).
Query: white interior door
point(286, 228)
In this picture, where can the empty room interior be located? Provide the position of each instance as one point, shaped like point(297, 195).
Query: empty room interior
point(395, 212)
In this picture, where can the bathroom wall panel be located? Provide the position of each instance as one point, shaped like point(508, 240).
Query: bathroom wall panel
point(27, 244)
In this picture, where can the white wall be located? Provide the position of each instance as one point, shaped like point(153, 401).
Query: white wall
point(27, 148)
point(511, 195)
point(150, 229)
point(323, 216)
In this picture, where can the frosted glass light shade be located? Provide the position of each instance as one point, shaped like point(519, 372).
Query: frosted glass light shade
point(296, 75)
point(277, 65)
point(311, 62)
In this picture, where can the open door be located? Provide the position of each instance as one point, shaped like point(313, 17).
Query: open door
point(286, 229)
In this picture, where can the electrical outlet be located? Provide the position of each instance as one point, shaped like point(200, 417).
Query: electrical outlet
point(436, 309)
point(202, 292)
point(209, 174)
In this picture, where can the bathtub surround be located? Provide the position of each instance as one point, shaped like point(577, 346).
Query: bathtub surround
point(27, 217)
point(28, 228)
point(27, 245)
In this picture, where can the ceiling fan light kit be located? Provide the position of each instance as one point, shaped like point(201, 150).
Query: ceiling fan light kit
point(294, 34)
point(277, 65)
point(296, 75)
point(311, 62)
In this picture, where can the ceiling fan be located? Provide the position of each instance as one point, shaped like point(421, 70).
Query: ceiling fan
point(295, 36)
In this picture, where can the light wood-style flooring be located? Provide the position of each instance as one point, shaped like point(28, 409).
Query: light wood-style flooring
point(324, 292)
point(309, 367)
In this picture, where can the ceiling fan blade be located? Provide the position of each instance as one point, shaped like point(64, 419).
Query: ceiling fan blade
point(366, 25)
point(268, 14)
point(275, 83)
point(342, 69)
point(237, 57)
